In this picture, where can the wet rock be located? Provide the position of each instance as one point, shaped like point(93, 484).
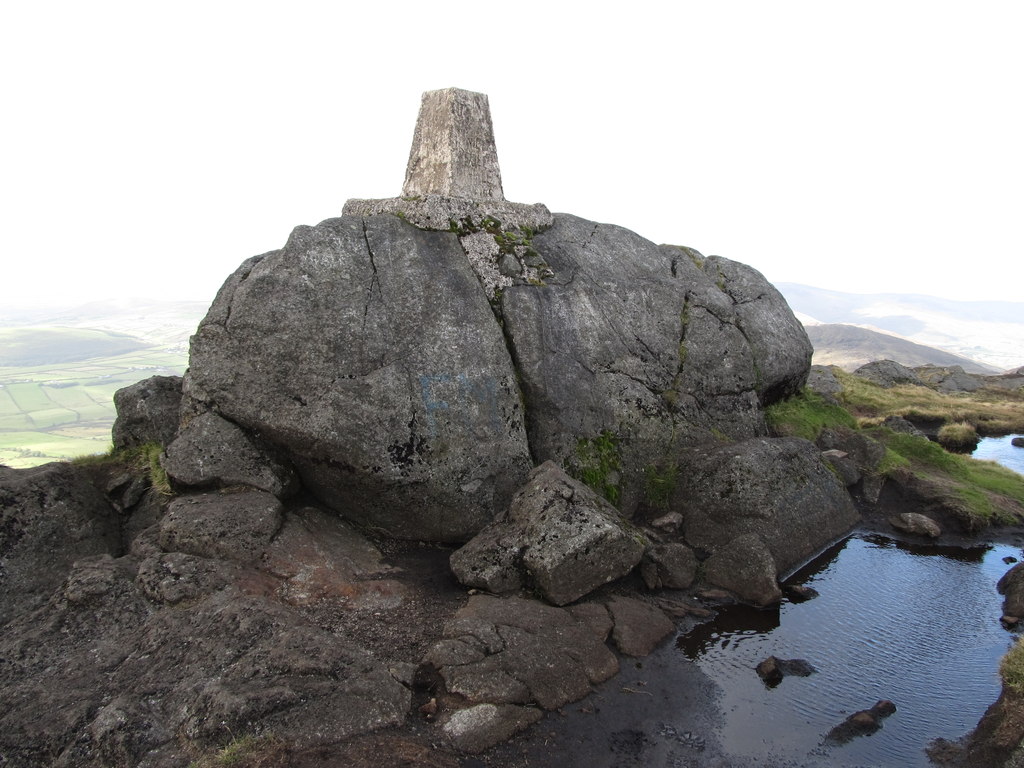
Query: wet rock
point(773, 669)
point(800, 593)
point(559, 535)
point(147, 412)
point(50, 516)
point(481, 727)
point(746, 568)
point(888, 374)
point(1018, 442)
point(668, 566)
point(776, 489)
point(211, 451)
point(516, 651)
point(639, 626)
point(1009, 559)
point(233, 526)
point(1011, 586)
point(915, 523)
point(862, 723)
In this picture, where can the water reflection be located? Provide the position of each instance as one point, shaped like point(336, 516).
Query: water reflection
point(1001, 450)
point(917, 624)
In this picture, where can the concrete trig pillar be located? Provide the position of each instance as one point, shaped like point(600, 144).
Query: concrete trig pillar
point(453, 152)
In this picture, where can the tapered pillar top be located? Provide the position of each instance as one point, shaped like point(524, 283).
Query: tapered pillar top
point(453, 152)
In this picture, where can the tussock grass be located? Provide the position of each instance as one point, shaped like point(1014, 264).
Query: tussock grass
point(245, 752)
point(143, 459)
point(1011, 668)
point(989, 411)
point(962, 437)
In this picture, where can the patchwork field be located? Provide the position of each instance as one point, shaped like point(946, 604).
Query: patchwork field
point(61, 410)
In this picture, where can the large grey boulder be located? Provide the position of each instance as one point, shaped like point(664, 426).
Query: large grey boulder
point(147, 412)
point(559, 536)
point(629, 350)
point(888, 374)
point(367, 352)
point(776, 489)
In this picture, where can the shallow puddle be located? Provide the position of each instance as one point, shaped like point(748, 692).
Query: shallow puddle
point(915, 624)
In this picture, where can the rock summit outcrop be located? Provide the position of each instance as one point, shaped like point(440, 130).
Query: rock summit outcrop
point(577, 403)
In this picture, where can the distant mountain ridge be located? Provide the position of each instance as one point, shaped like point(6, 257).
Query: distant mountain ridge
point(988, 332)
point(850, 346)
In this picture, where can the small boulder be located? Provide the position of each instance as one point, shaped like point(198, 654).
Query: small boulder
point(516, 651)
point(773, 669)
point(211, 451)
point(888, 374)
point(1011, 586)
point(745, 567)
point(1018, 442)
point(558, 534)
point(147, 412)
point(669, 566)
point(800, 593)
point(861, 723)
point(915, 523)
point(233, 526)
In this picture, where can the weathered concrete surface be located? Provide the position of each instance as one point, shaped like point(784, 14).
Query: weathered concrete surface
point(453, 151)
point(366, 351)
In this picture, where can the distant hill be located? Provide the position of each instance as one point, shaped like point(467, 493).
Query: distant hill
point(988, 331)
point(850, 347)
point(23, 347)
point(169, 323)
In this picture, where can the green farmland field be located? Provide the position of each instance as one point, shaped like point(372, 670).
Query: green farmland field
point(61, 410)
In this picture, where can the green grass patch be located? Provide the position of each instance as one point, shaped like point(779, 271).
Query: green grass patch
point(660, 483)
point(975, 480)
point(598, 464)
point(806, 415)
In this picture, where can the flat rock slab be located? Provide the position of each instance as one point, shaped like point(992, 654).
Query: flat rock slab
point(320, 557)
point(639, 626)
point(234, 526)
point(516, 651)
point(481, 727)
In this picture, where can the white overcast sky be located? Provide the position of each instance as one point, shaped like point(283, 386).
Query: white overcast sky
point(149, 148)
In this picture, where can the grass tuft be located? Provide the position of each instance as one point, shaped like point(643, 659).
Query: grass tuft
point(806, 415)
point(1011, 668)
